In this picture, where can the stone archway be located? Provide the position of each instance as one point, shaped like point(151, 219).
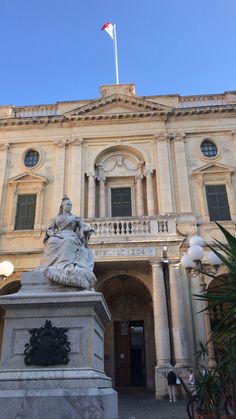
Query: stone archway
point(129, 339)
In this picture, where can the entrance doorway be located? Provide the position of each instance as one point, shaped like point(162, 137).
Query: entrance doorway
point(130, 364)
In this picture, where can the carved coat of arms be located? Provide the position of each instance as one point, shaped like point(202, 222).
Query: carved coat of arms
point(48, 346)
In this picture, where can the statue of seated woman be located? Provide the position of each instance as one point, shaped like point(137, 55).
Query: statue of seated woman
point(67, 259)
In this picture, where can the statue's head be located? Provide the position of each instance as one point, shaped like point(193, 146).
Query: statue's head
point(66, 205)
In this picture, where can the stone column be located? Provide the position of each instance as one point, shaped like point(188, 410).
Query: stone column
point(161, 326)
point(139, 195)
point(210, 347)
point(102, 198)
point(76, 190)
point(182, 174)
point(91, 195)
point(150, 192)
point(59, 176)
point(165, 193)
point(178, 313)
point(197, 307)
point(3, 167)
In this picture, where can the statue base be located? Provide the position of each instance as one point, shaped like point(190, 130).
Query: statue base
point(77, 389)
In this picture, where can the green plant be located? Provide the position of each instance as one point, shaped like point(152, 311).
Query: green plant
point(224, 292)
point(208, 391)
point(221, 381)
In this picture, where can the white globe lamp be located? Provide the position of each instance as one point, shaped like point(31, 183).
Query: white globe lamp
point(6, 268)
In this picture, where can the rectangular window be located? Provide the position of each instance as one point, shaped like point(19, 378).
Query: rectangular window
point(25, 212)
point(121, 202)
point(217, 202)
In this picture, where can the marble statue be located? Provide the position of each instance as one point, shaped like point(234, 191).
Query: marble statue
point(67, 258)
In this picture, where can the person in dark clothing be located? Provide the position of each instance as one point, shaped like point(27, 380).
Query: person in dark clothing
point(171, 380)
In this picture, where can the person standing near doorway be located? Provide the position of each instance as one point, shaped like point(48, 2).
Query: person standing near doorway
point(171, 380)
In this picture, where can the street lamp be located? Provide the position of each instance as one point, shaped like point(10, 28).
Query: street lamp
point(6, 269)
point(192, 260)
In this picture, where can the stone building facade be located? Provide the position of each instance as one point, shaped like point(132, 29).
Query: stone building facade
point(148, 173)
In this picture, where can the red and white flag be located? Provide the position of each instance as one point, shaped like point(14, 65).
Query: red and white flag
point(109, 28)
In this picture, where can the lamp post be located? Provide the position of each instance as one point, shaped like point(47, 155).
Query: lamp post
point(192, 262)
point(6, 269)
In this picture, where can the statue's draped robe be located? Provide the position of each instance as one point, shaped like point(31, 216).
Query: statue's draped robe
point(66, 258)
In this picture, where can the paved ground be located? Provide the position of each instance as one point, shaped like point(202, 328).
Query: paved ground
point(141, 405)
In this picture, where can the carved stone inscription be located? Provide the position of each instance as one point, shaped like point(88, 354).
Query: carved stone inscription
point(128, 252)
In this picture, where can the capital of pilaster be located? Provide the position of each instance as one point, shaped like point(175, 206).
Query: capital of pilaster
point(155, 263)
point(91, 175)
point(148, 171)
point(174, 263)
point(228, 179)
point(176, 136)
point(59, 143)
point(76, 141)
point(161, 137)
point(4, 146)
point(101, 178)
point(138, 177)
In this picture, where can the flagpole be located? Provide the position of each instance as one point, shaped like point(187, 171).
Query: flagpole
point(116, 57)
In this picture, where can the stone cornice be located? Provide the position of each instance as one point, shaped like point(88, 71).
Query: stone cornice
point(163, 115)
point(132, 102)
point(202, 110)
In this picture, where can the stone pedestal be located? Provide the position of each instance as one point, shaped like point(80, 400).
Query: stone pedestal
point(77, 390)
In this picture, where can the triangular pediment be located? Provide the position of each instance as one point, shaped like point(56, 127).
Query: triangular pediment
point(118, 104)
point(211, 168)
point(28, 178)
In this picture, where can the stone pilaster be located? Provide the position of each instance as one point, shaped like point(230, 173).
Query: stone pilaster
point(211, 354)
point(91, 194)
point(165, 194)
point(182, 173)
point(150, 192)
point(3, 166)
point(102, 198)
point(139, 196)
point(59, 175)
point(178, 314)
point(76, 192)
point(197, 307)
point(161, 326)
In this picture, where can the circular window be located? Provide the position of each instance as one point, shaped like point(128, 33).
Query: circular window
point(209, 149)
point(31, 158)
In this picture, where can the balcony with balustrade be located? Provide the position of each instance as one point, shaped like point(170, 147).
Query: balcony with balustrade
point(132, 229)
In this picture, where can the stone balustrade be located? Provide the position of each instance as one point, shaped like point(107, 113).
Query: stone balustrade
point(129, 228)
point(35, 111)
point(201, 101)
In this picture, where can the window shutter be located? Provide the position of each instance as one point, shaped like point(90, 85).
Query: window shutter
point(217, 202)
point(121, 202)
point(25, 212)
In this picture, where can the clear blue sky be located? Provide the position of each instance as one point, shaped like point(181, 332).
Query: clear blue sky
point(54, 50)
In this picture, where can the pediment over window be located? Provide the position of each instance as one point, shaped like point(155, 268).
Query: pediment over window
point(213, 169)
point(119, 104)
point(28, 178)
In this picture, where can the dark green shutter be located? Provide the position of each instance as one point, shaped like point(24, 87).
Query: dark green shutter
point(121, 202)
point(25, 212)
point(217, 202)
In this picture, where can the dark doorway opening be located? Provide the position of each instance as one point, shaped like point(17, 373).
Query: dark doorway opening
point(130, 365)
